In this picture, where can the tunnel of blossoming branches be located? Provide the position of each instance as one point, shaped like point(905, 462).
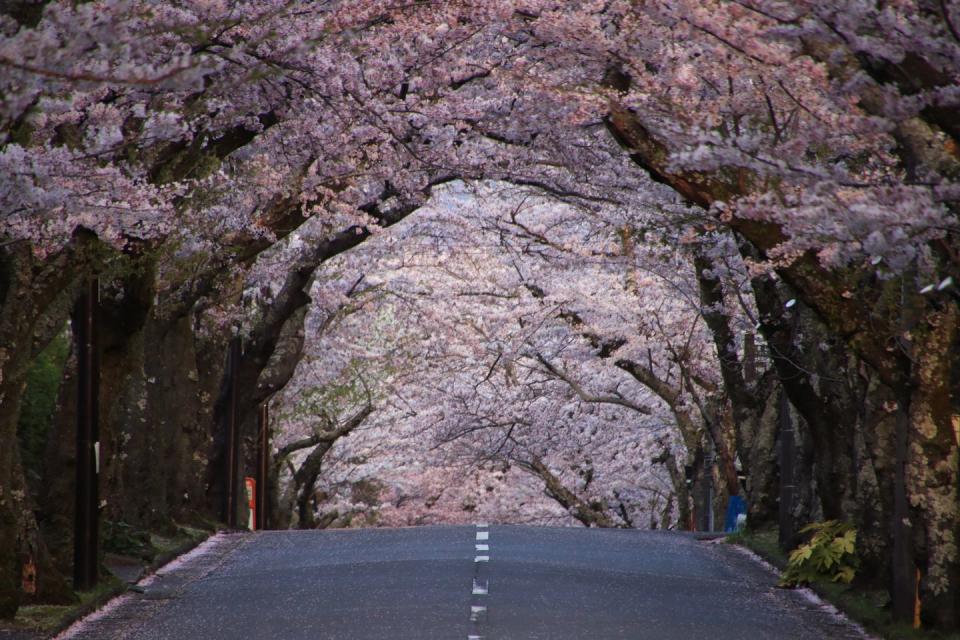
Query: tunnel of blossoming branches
point(597, 263)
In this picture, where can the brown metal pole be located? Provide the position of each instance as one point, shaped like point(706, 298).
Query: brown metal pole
point(706, 497)
point(86, 512)
point(787, 455)
point(233, 440)
point(903, 592)
point(903, 566)
point(749, 358)
point(263, 461)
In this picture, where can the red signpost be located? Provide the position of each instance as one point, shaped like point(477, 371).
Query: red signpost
point(251, 485)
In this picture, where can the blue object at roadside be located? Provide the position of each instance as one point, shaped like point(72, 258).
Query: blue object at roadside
point(735, 507)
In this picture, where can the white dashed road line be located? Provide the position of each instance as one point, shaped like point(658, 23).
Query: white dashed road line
point(481, 587)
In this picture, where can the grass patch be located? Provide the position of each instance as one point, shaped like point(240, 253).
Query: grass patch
point(46, 618)
point(763, 542)
point(869, 608)
point(148, 546)
point(126, 540)
point(167, 546)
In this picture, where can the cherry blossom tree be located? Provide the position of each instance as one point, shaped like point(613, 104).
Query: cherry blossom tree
point(803, 156)
point(433, 278)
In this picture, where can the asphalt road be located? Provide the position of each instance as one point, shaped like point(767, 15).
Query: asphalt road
point(490, 582)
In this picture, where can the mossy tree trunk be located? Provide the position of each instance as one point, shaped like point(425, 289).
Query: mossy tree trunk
point(931, 464)
point(866, 314)
point(36, 296)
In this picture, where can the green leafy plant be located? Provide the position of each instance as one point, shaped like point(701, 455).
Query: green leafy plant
point(829, 553)
point(126, 539)
point(39, 403)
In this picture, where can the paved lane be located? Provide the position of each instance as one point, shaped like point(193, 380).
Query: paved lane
point(489, 582)
point(575, 583)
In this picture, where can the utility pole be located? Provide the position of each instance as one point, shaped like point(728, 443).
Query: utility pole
point(706, 523)
point(787, 455)
point(263, 464)
point(903, 593)
point(233, 435)
point(86, 511)
point(749, 358)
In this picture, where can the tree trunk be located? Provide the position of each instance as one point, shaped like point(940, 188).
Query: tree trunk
point(305, 476)
point(575, 506)
point(678, 481)
point(864, 312)
point(931, 464)
point(35, 298)
point(56, 499)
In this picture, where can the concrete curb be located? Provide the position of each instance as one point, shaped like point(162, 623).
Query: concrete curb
point(193, 563)
point(807, 593)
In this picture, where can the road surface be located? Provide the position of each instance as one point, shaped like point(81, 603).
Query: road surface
point(482, 582)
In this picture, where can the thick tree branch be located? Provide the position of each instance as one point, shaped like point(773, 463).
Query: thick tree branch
point(575, 506)
point(589, 397)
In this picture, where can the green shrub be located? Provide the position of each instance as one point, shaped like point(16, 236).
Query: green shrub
point(830, 553)
point(125, 539)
